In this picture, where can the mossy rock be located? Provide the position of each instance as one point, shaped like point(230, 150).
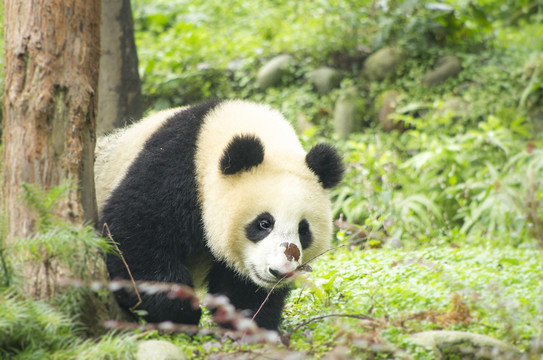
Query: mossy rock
point(446, 67)
point(271, 73)
point(159, 350)
point(464, 345)
point(324, 79)
point(386, 105)
point(346, 112)
point(383, 63)
point(455, 106)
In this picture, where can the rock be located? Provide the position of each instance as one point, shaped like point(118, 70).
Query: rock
point(445, 344)
point(350, 59)
point(455, 106)
point(382, 63)
point(387, 106)
point(270, 74)
point(324, 79)
point(345, 112)
point(446, 67)
point(158, 350)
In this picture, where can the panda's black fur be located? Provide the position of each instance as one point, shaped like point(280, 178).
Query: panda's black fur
point(147, 235)
point(155, 216)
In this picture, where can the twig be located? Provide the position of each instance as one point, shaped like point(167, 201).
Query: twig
point(268, 296)
point(354, 316)
point(223, 311)
point(322, 253)
point(126, 265)
point(257, 335)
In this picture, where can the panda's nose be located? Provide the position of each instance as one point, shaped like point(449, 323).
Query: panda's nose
point(279, 274)
point(275, 273)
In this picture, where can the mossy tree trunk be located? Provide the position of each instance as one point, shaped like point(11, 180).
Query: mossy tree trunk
point(120, 99)
point(52, 50)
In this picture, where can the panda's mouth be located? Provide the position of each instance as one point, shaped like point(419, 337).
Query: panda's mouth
point(265, 280)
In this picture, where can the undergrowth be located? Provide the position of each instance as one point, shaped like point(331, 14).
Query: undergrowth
point(58, 322)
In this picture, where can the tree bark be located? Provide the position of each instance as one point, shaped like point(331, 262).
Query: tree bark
point(120, 99)
point(51, 66)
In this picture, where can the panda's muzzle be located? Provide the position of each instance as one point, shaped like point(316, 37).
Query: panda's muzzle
point(274, 276)
point(278, 260)
point(266, 280)
point(279, 274)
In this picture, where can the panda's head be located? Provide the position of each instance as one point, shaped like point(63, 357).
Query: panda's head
point(265, 202)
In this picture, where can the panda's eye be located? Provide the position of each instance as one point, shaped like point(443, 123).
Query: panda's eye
point(265, 224)
point(303, 228)
point(260, 227)
point(304, 231)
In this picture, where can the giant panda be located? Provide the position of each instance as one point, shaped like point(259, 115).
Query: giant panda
point(212, 196)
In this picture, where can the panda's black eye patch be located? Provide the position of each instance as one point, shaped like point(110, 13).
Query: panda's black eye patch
point(304, 232)
point(260, 227)
point(265, 224)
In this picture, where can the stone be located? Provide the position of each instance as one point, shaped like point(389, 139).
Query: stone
point(454, 106)
point(446, 67)
point(383, 63)
point(387, 106)
point(271, 73)
point(445, 344)
point(346, 112)
point(158, 350)
point(324, 79)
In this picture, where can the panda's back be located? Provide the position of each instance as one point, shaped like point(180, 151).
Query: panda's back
point(116, 152)
point(146, 186)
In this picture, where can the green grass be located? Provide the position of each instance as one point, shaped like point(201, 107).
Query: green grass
point(500, 286)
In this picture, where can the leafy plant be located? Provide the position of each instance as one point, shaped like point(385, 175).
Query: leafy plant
point(56, 327)
point(426, 184)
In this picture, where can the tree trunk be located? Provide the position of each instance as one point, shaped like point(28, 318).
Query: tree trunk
point(51, 75)
point(120, 99)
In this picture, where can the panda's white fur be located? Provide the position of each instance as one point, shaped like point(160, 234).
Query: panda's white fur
point(116, 152)
point(286, 183)
point(282, 185)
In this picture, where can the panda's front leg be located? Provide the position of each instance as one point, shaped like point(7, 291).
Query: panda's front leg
point(159, 307)
point(245, 295)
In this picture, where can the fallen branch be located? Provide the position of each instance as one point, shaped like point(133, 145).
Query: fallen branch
point(259, 336)
point(223, 311)
point(317, 318)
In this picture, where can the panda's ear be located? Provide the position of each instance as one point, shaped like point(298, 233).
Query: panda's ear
point(326, 163)
point(242, 153)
